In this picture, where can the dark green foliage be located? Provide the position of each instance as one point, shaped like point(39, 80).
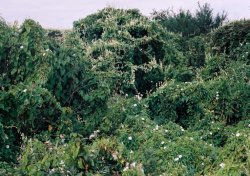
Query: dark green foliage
point(27, 58)
point(129, 47)
point(188, 24)
point(229, 96)
point(233, 40)
point(214, 66)
point(119, 95)
point(28, 110)
point(180, 103)
point(72, 81)
point(196, 52)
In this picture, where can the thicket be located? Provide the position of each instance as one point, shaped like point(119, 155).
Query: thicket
point(120, 94)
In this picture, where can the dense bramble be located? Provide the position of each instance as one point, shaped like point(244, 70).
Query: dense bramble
point(120, 95)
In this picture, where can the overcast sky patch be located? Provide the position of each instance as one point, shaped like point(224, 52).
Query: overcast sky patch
point(62, 13)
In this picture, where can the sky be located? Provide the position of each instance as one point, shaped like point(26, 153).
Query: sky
point(60, 14)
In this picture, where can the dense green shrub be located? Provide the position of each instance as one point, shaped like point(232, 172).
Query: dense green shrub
point(180, 103)
point(119, 95)
point(188, 24)
point(128, 46)
point(229, 94)
point(72, 81)
point(232, 39)
point(27, 58)
point(35, 109)
point(196, 52)
point(27, 110)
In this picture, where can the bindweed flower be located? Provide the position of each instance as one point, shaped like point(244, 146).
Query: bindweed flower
point(142, 118)
point(21, 47)
point(162, 142)
point(134, 105)
point(237, 134)
point(62, 162)
point(132, 165)
point(222, 165)
point(25, 90)
point(176, 159)
point(44, 54)
point(130, 138)
point(114, 155)
point(7, 146)
point(156, 127)
point(179, 156)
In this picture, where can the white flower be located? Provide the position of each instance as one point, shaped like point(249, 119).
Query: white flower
point(25, 90)
point(142, 118)
point(249, 125)
point(156, 127)
point(62, 162)
point(52, 170)
point(182, 129)
point(6, 136)
point(47, 50)
point(114, 155)
point(222, 165)
point(44, 54)
point(210, 133)
point(162, 142)
point(21, 47)
point(166, 131)
point(164, 147)
point(130, 138)
point(191, 138)
point(237, 134)
point(126, 168)
point(131, 151)
point(132, 165)
point(180, 156)
point(7, 146)
point(135, 105)
point(202, 164)
point(176, 159)
point(138, 97)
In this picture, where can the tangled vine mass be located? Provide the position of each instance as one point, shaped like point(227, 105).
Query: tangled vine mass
point(125, 94)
